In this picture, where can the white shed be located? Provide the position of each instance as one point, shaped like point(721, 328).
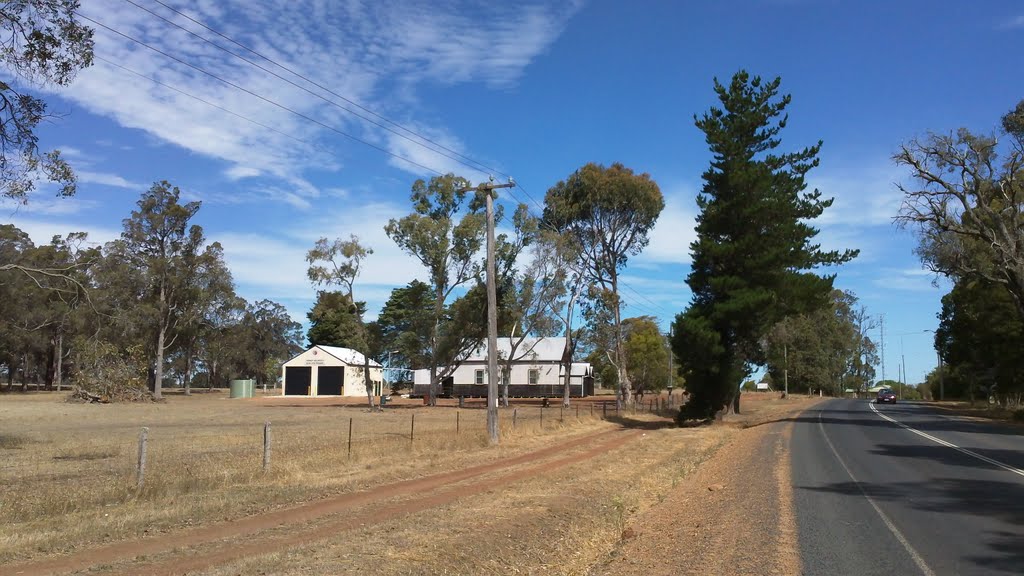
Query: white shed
point(329, 371)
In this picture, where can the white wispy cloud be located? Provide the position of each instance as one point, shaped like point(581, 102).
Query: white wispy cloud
point(273, 265)
point(107, 179)
point(865, 195)
point(42, 231)
point(909, 279)
point(1013, 23)
point(674, 231)
point(374, 53)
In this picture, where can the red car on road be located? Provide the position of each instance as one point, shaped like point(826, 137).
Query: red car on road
point(885, 395)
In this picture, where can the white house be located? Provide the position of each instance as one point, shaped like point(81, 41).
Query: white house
point(328, 371)
point(536, 371)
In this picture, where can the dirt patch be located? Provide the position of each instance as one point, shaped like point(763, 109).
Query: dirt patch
point(732, 516)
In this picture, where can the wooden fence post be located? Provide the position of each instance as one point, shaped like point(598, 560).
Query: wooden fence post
point(541, 417)
point(266, 446)
point(577, 411)
point(140, 468)
point(456, 421)
point(514, 412)
point(561, 414)
point(412, 429)
point(350, 438)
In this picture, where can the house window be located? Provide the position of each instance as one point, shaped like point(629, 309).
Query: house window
point(479, 376)
point(534, 376)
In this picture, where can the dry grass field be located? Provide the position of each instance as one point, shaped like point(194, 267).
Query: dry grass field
point(68, 486)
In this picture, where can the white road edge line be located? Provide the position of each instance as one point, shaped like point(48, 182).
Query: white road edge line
point(942, 442)
point(925, 569)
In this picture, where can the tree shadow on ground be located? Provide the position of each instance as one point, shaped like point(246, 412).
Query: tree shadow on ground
point(995, 500)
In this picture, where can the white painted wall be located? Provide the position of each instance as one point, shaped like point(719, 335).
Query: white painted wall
point(354, 383)
point(548, 373)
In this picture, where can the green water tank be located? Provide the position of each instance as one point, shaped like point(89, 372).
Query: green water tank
point(242, 388)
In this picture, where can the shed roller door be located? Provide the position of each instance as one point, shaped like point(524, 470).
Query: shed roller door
point(329, 380)
point(297, 380)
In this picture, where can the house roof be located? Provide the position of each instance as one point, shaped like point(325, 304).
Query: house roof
point(348, 356)
point(530, 350)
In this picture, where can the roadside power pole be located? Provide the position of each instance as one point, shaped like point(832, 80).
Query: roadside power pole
point(785, 370)
point(488, 188)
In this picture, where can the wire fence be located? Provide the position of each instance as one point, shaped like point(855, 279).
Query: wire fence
point(69, 473)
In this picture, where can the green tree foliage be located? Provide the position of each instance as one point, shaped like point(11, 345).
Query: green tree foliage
point(754, 246)
point(206, 286)
point(529, 299)
point(89, 312)
point(967, 205)
point(340, 320)
point(336, 263)
point(42, 291)
point(335, 321)
point(406, 324)
point(444, 232)
point(269, 337)
point(980, 338)
point(825, 349)
point(607, 212)
point(158, 242)
point(41, 42)
point(646, 354)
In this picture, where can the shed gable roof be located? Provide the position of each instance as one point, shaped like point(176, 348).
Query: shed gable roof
point(348, 356)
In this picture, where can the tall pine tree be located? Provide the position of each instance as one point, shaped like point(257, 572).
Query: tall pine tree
point(754, 251)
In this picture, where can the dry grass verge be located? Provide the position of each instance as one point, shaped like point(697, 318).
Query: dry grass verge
point(67, 471)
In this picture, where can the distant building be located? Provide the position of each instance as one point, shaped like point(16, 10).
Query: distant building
point(536, 373)
point(329, 371)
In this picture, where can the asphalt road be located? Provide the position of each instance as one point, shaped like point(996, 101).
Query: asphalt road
point(871, 496)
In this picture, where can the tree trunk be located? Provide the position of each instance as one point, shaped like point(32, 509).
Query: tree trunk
point(366, 381)
point(626, 394)
point(51, 363)
point(158, 369)
point(434, 384)
point(567, 367)
point(24, 371)
point(506, 377)
point(59, 371)
point(158, 377)
point(188, 370)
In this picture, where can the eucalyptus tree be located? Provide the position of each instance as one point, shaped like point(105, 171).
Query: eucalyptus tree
point(967, 203)
point(444, 232)
point(42, 42)
point(158, 241)
point(338, 263)
point(607, 212)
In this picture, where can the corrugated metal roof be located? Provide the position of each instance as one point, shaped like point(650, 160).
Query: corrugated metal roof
point(530, 349)
point(348, 356)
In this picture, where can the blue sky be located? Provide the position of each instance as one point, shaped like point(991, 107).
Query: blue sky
point(533, 90)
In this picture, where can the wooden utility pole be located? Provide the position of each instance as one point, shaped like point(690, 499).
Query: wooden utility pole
point(488, 189)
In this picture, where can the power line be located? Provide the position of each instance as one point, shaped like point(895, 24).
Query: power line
point(440, 150)
point(208, 103)
point(258, 96)
point(636, 303)
point(447, 152)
